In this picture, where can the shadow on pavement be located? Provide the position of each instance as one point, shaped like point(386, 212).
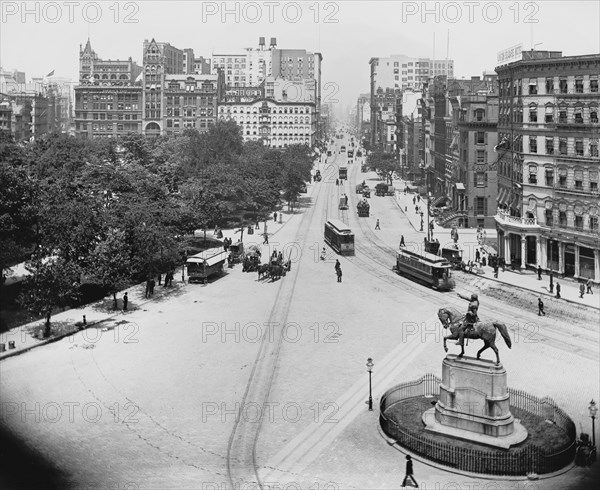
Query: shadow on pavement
point(21, 467)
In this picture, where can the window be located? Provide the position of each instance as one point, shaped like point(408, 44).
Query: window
point(579, 147)
point(480, 179)
point(549, 219)
point(549, 177)
point(579, 85)
point(533, 87)
point(481, 156)
point(562, 178)
point(562, 85)
point(480, 206)
point(562, 115)
point(593, 186)
point(593, 85)
point(480, 137)
point(549, 85)
point(578, 178)
point(533, 113)
point(562, 218)
point(593, 149)
point(594, 223)
point(479, 114)
point(533, 174)
point(549, 116)
point(532, 144)
point(562, 146)
point(549, 145)
point(594, 117)
point(578, 115)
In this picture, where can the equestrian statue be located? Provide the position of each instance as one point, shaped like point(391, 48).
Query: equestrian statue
point(469, 326)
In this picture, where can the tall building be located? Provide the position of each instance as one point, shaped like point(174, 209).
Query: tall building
point(401, 71)
point(363, 116)
point(471, 170)
point(172, 100)
point(277, 124)
point(108, 99)
point(549, 167)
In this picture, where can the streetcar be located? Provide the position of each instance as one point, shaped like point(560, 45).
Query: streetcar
point(350, 153)
point(344, 173)
point(204, 264)
point(339, 237)
point(426, 268)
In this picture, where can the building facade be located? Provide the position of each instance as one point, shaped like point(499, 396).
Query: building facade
point(549, 131)
point(108, 99)
point(276, 124)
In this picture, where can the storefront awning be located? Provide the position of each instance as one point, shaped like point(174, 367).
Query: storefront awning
point(460, 186)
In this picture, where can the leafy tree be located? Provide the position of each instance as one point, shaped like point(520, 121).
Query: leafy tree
point(110, 263)
point(297, 164)
point(136, 149)
point(53, 282)
point(383, 163)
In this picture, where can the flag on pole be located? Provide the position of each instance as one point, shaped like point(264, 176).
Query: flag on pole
point(50, 74)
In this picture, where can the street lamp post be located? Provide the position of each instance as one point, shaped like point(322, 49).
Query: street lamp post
point(593, 411)
point(370, 369)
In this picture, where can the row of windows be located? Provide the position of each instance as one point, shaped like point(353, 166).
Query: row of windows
point(189, 100)
point(552, 85)
point(575, 181)
point(273, 120)
point(564, 219)
point(103, 116)
point(576, 115)
point(189, 112)
point(107, 127)
point(566, 146)
point(274, 110)
point(96, 106)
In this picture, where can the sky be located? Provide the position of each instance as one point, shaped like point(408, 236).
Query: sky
point(38, 37)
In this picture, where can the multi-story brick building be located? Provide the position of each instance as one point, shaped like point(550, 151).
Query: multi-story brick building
point(172, 100)
point(401, 71)
point(471, 169)
point(276, 124)
point(108, 99)
point(549, 131)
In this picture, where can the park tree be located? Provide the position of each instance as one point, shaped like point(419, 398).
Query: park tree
point(297, 162)
point(53, 283)
point(383, 163)
point(110, 263)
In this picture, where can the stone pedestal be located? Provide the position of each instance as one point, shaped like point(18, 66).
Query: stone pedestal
point(474, 404)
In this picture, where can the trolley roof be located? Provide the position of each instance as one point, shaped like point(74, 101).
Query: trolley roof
point(339, 226)
point(210, 256)
point(426, 257)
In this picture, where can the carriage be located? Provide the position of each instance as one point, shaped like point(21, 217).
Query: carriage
point(383, 189)
point(318, 176)
point(366, 191)
point(236, 252)
point(359, 188)
point(343, 203)
point(363, 208)
point(251, 260)
point(454, 254)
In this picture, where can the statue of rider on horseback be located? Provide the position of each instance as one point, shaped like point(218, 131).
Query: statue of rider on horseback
point(472, 327)
point(470, 319)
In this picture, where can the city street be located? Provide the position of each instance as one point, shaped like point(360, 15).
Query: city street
point(245, 381)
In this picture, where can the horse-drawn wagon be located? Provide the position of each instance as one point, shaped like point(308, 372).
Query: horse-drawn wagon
point(236, 252)
point(366, 191)
point(251, 260)
point(363, 208)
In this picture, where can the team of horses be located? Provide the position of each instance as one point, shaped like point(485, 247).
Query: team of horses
point(273, 270)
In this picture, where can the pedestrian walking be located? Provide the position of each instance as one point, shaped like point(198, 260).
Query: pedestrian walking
point(275, 216)
point(418, 198)
point(558, 290)
point(125, 301)
point(539, 272)
point(551, 283)
point(152, 286)
point(581, 290)
point(496, 271)
point(402, 244)
point(266, 239)
point(337, 265)
point(337, 181)
point(589, 284)
point(409, 473)
point(377, 225)
point(541, 307)
point(159, 279)
point(477, 255)
point(147, 288)
point(339, 274)
point(414, 201)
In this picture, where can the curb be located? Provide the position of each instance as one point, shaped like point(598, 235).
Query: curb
point(537, 293)
point(51, 340)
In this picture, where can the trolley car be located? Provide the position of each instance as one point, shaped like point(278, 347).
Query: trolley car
point(203, 265)
point(339, 237)
point(343, 173)
point(426, 268)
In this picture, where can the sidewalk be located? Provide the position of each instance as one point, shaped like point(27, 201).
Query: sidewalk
point(526, 279)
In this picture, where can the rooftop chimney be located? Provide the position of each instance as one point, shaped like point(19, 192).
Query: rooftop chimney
point(273, 42)
point(261, 42)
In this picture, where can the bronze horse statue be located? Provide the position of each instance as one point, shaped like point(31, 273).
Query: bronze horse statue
point(451, 318)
